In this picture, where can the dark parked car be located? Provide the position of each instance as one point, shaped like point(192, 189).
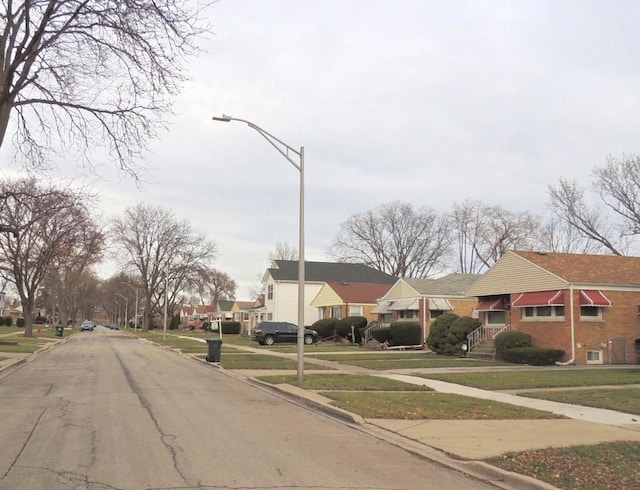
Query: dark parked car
point(112, 326)
point(268, 333)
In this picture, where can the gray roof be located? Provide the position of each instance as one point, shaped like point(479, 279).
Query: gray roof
point(287, 270)
point(451, 285)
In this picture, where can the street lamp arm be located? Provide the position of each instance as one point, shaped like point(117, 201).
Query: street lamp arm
point(283, 148)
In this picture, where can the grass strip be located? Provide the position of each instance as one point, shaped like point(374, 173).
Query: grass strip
point(344, 382)
point(625, 400)
point(540, 378)
point(429, 405)
point(607, 466)
point(262, 361)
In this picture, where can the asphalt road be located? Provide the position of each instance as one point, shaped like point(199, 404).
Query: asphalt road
point(106, 411)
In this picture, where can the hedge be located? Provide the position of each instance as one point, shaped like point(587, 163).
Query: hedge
point(382, 334)
point(343, 327)
point(231, 327)
point(533, 355)
point(405, 333)
point(509, 340)
point(326, 327)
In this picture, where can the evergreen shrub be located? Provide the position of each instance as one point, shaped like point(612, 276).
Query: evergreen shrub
point(437, 338)
point(326, 327)
point(510, 340)
point(457, 334)
point(343, 327)
point(382, 334)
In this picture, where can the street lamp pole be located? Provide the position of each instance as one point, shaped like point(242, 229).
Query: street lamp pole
point(135, 318)
point(126, 309)
point(286, 151)
point(166, 300)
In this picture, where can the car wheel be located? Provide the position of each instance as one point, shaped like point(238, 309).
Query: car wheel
point(268, 340)
point(308, 339)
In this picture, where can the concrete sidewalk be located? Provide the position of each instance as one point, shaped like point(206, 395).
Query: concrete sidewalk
point(481, 439)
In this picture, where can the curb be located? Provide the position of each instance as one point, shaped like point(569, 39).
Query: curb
point(479, 470)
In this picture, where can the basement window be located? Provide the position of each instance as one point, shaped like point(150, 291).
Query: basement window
point(594, 357)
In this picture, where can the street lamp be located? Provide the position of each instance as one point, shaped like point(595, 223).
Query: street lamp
point(126, 309)
point(135, 318)
point(286, 151)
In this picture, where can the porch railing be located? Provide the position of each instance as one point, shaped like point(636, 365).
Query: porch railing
point(485, 332)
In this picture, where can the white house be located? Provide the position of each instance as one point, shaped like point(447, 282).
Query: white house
point(280, 283)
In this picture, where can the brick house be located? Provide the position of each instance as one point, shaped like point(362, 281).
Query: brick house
point(343, 299)
point(423, 300)
point(587, 305)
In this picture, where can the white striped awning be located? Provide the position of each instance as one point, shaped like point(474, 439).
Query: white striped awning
point(440, 304)
point(381, 308)
point(405, 304)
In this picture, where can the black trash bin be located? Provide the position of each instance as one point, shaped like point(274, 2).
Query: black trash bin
point(215, 346)
point(59, 330)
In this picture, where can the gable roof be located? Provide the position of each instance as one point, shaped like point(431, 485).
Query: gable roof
point(225, 305)
point(361, 293)
point(245, 305)
point(453, 284)
point(287, 270)
point(522, 271)
point(584, 268)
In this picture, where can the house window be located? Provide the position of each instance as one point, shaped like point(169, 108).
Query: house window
point(590, 313)
point(496, 317)
point(406, 314)
point(269, 317)
point(270, 291)
point(594, 357)
point(551, 313)
point(322, 313)
point(336, 312)
point(435, 313)
point(245, 317)
point(386, 318)
point(356, 310)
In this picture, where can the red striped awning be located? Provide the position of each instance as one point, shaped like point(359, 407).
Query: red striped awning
point(540, 298)
point(594, 298)
point(491, 304)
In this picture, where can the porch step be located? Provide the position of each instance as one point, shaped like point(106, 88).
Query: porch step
point(484, 350)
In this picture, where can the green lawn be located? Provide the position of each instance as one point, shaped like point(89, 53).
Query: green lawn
point(344, 382)
point(620, 399)
point(384, 360)
point(540, 378)
point(428, 405)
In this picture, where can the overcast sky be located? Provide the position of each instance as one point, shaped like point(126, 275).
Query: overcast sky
point(429, 102)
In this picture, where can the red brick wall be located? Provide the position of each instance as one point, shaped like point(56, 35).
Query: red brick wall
point(620, 321)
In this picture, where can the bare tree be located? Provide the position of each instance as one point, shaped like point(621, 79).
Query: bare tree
point(395, 238)
point(568, 203)
point(49, 222)
point(213, 285)
point(283, 251)
point(85, 73)
point(485, 233)
point(556, 235)
point(70, 274)
point(164, 252)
